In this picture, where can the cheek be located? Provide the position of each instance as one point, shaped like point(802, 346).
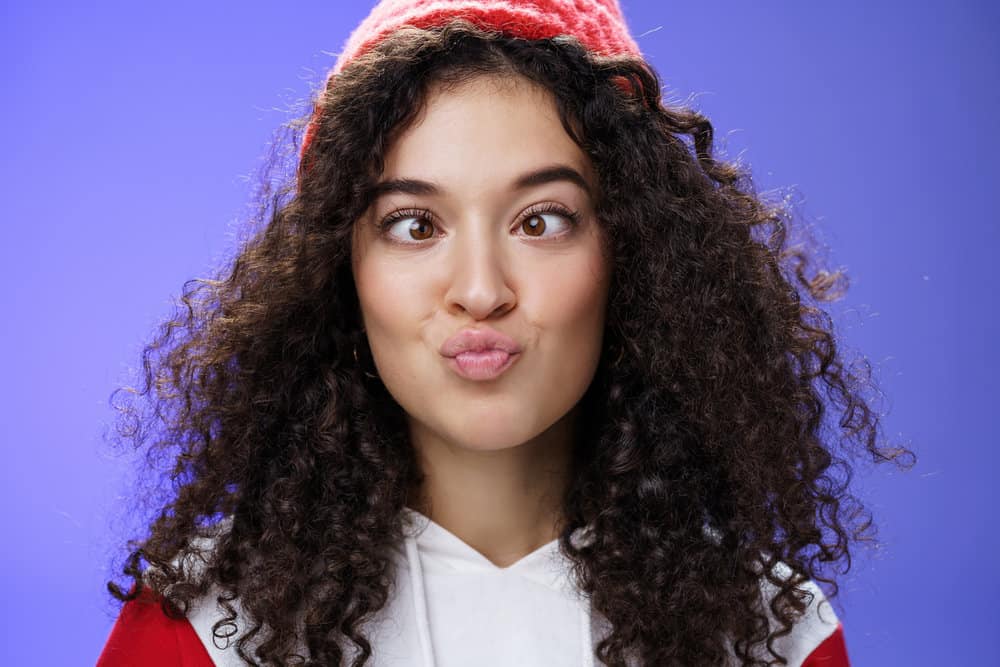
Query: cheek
point(579, 290)
point(385, 291)
point(573, 304)
point(393, 306)
point(569, 312)
point(381, 297)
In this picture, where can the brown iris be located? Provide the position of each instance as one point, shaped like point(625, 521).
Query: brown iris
point(418, 224)
point(539, 227)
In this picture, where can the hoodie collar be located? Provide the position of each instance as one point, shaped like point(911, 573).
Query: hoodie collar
point(442, 550)
point(431, 547)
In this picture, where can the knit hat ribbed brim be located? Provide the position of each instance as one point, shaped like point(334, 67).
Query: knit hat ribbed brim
point(598, 24)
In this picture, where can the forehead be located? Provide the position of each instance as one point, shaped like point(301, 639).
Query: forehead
point(491, 125)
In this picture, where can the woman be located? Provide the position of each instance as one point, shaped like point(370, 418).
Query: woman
point(515, 373)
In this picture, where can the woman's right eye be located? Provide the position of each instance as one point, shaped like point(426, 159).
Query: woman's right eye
point(407, 226)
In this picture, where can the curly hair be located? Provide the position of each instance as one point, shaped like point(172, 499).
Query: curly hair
point(721, 399)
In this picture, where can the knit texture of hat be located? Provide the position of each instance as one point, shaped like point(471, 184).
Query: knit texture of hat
point(598, 24)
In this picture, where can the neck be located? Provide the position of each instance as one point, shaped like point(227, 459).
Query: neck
point(504, 503)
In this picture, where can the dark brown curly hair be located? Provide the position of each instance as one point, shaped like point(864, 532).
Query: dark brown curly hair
point(721, 399)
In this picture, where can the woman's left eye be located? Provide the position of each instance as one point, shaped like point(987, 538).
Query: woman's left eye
point(536, 223)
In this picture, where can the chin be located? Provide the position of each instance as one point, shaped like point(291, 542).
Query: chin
point(496, 430)
point(478, 431)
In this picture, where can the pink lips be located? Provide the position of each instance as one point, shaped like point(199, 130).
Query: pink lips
point(480, 354)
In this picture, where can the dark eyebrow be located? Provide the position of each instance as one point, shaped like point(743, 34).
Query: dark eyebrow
point(552, 174)
point(413, 186)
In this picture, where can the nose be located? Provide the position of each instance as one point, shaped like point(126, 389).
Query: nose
point(479, 275)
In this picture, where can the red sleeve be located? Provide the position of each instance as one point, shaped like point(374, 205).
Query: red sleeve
point(144, 636)
point(831, 653)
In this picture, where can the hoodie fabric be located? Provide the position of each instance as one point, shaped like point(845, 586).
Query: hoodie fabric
point(465, 608)
point(452, 607)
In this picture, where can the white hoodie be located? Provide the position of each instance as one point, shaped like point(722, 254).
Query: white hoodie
point(452, 607)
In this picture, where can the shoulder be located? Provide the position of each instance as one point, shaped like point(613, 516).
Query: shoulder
point(144, 635)
point(817, 637)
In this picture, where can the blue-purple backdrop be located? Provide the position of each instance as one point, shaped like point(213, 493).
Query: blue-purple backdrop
point(130, 130)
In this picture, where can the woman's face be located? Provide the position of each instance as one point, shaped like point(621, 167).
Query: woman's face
point(476, 195)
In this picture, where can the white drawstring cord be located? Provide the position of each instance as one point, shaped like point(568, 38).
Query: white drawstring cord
point(420, 602)
point(588, 639)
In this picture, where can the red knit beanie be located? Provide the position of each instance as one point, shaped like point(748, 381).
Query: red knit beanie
point(597, 24)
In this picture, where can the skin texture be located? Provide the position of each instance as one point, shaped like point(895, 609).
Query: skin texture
point(495, 453)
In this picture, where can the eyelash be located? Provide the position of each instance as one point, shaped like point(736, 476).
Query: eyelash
point(572, 217)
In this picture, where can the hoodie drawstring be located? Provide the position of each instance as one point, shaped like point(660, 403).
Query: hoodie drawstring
point(420, 602)
point(587, 650)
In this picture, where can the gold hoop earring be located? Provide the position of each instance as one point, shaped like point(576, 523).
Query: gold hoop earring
point(358, 362)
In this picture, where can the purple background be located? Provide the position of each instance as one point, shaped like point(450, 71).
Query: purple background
point(130, 133)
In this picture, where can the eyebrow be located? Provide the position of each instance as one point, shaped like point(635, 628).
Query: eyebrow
point(552, 174)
